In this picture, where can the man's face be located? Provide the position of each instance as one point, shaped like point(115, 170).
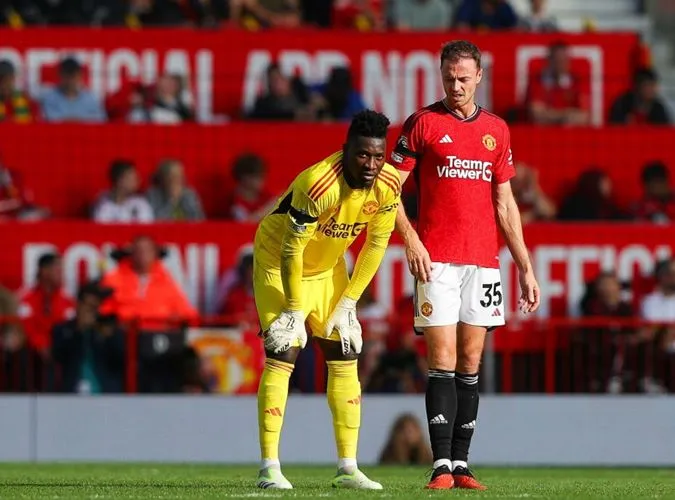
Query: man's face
point(657, 188)
point(279, 84)
point(71, 80)
point(365, 159)
point(7, 84)
point(560, 61)
point(460, 79)
point(647, 90)
point(143, 254)
point(52, 275)
point(667, 279)
point(87, 307)
point(128, 182)
point(609, 289)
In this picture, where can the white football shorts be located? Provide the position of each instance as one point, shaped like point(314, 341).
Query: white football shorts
point(470, 294)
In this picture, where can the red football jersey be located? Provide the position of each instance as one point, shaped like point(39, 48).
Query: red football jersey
point(456, 161)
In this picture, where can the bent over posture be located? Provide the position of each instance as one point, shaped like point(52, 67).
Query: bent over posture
point(300, 275)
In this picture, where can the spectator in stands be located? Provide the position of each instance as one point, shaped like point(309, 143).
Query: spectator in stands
point(249, 201)
point(658, 342)
point(169, 103)
point(591, 199)
point(602, 350)
point(211, 13)
point(422, 15)
point(143, 289)
point(658, 199)
point(642, 103)
point(281, 100)
point(337, 99)
point(533, 203)
point(11, 337)
point(46, 304)
point(89, 349)
point(485, 15)
point(406, 444)
point(70, 101)
point(362, 15)
point(122, 203)
point(15, 105)
point(16, 202)
point(555, 96)
point(538, 21)
point(271, 14)
point(317, 12)
point(239, 304)
point(170, 198)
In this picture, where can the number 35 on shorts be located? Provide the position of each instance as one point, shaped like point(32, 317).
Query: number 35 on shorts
point(465, 293)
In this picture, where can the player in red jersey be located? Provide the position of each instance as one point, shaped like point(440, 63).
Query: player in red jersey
point(461, 158)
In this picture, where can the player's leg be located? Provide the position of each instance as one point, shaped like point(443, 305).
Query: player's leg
point(482, 308)
point(273, 388)
point(343, 390)
point(437, 305)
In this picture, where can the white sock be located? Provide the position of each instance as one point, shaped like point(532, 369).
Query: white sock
point(459, 463)
point(347, 465)
point(441, 462)
point(270, 462)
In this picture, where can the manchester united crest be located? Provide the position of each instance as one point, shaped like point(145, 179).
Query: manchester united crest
point(489, 142)
point(426, 309)
point(370, 207)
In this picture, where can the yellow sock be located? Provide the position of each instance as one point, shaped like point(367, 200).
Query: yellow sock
point(272, 396)
point(344, 399)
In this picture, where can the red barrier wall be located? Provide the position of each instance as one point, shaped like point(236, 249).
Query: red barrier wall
point(564, 257)
point(66, 166)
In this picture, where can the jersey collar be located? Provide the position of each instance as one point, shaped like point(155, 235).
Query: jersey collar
point(469, 118)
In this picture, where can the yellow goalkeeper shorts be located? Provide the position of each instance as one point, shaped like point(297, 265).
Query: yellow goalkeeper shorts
point(319, 297)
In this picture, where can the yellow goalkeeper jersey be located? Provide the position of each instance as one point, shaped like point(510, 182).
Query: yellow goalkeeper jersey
point(318, 217)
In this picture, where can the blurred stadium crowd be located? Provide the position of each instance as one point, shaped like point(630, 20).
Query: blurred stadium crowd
point(81, 344)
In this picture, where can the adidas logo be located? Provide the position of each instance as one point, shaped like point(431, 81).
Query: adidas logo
point(273, 411)
point(496, 313)
point(438, 419)
point(446, 139)
point(470, 425)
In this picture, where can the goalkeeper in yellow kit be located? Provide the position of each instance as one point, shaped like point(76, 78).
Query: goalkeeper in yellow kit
point(300, 276)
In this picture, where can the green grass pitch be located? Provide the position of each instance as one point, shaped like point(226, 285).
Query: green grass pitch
point(140, 481)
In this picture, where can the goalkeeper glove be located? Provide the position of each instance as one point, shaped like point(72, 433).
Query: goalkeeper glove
point(284, 331)
point(343, 319)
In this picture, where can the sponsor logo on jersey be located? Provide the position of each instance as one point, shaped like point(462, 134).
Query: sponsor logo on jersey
point(426, 309)
point(396, 157)
point(489, 142)
point(335, 229)
point(459, 168)
point(370, 207)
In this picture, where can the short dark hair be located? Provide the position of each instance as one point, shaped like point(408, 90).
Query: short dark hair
point(368, 123)
point(655, 171)
point(6, 68)
point(645, 75)
point(70, 66)
point(460, 49)
point(556, 46)
point(248, 165)
point(118, 168)
point(47, 260)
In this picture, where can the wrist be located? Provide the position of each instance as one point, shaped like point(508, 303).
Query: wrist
point(409, 236)
point(348, 302)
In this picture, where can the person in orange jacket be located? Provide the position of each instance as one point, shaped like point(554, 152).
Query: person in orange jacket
point(144, 290)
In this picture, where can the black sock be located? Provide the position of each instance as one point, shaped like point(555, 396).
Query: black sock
point(467, 411)
point(441, 402)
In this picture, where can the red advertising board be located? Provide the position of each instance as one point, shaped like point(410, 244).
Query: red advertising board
point(66, 166)
point(564, 257)
point(395, 72)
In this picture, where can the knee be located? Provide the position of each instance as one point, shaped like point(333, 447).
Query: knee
point(289, 356)
point(441, 359)
point(468, 361)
